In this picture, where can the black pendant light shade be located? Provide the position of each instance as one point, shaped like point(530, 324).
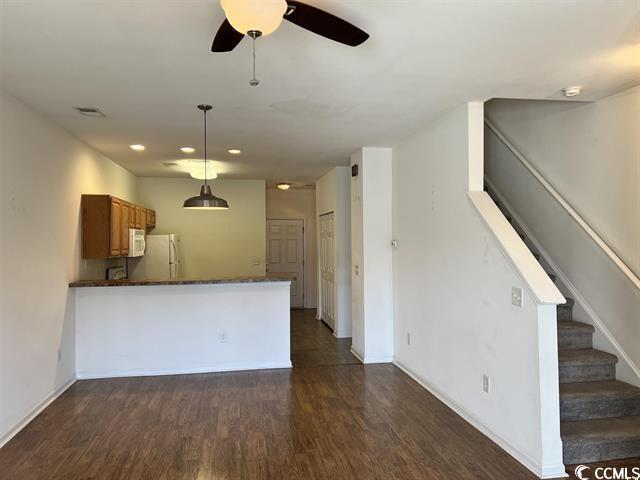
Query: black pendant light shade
point(206, 200)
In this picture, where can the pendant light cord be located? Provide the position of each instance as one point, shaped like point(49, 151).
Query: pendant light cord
point(205, 147)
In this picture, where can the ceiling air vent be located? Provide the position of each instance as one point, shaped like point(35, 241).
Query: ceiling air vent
point(90, 111)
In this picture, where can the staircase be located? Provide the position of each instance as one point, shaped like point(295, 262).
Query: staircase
point(600, 416)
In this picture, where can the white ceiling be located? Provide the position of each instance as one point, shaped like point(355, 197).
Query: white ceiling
point(146, 64)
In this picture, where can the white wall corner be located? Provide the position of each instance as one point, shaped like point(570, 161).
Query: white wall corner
point(475, 114)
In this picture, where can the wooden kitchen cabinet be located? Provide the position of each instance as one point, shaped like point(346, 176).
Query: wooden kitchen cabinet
point(151, 219)
point(106, 221)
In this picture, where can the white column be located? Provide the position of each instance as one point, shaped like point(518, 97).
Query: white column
point(371, 251)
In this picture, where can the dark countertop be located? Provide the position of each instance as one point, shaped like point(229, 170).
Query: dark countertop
point(205, 281)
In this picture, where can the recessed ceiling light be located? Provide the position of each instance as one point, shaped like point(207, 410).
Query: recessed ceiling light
point(572, 91)
point(137, 147)
point(187, 149)
point(235, 151)
point(284, 186)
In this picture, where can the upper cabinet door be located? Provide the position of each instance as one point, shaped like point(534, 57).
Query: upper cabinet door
point(143, 218)
point(151, 219)
point(116, 228)
point(124, 228)
point(132, 216)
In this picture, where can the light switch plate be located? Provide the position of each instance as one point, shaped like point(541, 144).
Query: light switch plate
point(516, 296)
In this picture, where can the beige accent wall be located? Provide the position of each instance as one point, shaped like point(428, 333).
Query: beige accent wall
point(43, 172)
point(214, 243)
point(300, 203)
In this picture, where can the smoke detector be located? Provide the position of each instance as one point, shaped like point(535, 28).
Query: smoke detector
point(90, 111)
point(572, 91)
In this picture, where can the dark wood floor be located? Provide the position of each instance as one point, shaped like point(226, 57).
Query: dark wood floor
point(313, 343)
point(315, 421)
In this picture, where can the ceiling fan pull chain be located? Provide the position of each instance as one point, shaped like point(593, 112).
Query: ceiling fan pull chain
point(254, 81)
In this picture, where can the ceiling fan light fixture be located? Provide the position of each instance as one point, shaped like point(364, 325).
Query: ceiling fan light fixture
point(263, 16)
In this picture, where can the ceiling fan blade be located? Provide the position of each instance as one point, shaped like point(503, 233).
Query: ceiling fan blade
point(227, 38)
point(324, 24)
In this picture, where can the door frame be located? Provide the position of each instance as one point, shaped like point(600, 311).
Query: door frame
point(304, 255)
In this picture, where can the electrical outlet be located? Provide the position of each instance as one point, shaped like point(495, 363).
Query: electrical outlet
point(516, 296)
point(224, 336)
point(485, 383)
point(408, 339)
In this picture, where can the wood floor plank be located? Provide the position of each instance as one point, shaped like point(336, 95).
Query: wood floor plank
point(330, 417)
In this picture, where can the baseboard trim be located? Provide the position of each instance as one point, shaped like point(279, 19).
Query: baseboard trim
point(542, 471)
point(4, 439)
point(577, 296)
point(357, 354)
point(370, 359)
point(184, 371)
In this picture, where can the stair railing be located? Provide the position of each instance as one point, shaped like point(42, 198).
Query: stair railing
point(566, 206)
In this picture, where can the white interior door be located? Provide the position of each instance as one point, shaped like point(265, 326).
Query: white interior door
point(285, 255)
point(327, 269)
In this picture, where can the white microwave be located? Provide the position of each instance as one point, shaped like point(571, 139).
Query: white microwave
point(136, 242)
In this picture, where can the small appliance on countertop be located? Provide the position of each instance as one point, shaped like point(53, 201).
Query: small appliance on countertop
point(117, 273)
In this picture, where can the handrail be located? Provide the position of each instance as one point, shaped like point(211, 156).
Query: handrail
point(566, 206)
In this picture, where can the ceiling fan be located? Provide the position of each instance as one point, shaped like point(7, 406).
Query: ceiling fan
point(256, 18)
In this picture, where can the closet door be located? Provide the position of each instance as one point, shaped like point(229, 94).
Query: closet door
point(327, 269)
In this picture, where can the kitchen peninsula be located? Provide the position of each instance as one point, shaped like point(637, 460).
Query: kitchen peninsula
point(164, 327)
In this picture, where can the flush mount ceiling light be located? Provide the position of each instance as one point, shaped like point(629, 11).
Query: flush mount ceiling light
point(187, 149)
point(284, 186)
point(257, 18)
point(198, 170)
point(572, 91)
point(235, 151)
point(137, 147)
point(206, 200)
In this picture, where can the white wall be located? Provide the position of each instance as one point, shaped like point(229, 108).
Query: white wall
point(590, 153)
point(452, 288)
point(181, 327)
point(371, 255)
point(43, 172)
point(300, 203)
point(333, 195)
point(218, 243)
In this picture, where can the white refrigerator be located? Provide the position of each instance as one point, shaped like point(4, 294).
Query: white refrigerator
point(161, 259)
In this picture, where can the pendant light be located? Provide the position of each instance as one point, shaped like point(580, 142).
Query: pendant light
point(206, 200)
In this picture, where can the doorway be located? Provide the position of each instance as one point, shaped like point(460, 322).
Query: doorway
point(285, 255)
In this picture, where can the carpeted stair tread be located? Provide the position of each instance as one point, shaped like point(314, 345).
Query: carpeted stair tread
point(593, 400)
point(570, 325)
point(611, 388)
point(599, 440)
point(585, 356)
point(618, 428)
